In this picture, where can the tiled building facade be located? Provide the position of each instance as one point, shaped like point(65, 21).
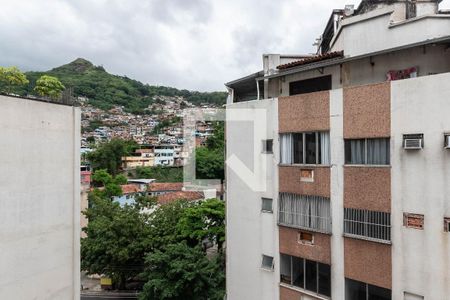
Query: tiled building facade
point(357, 195)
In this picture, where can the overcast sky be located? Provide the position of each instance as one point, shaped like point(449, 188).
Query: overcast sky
point(191, 44)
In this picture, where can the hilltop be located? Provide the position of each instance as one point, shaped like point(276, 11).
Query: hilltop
point(104, 90)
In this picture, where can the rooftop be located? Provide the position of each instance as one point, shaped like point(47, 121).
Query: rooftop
point(165, 186)
point(180, 195)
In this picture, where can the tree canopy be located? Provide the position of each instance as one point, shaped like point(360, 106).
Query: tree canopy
point(10, 78)
point(181, 272)
point(210, 160)
point(161, 246)
point(109, 155)
point(49, 86)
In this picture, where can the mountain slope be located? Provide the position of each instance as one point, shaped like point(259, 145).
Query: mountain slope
point(105, 90)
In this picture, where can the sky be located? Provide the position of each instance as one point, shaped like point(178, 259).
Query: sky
point(187, 44)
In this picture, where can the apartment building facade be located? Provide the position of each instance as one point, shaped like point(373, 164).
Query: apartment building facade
point(356, 202)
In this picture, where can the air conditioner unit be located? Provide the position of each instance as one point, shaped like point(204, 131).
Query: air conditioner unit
point(413, 144)
point(447, 141)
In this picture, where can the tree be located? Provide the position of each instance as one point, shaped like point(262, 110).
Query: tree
point(180, 272)
point(204, 221)
point(11, 77)
point(164, 225)
point(116, 242)
point(109, 155)
point(49, 86)
point(210, 160)
point(160, 173)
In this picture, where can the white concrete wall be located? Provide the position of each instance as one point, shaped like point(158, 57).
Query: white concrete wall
point(420, 184)
point(337, 193)
point(429, 60)
point(377, 34)
point(250, 232)
point(39, 200)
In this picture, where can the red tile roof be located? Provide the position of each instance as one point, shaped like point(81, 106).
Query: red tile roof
point(311, 60)
point(180, 195)
point(165, 186)
point(130, 188)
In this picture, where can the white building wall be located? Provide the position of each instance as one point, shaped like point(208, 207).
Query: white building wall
point(250, 232)
point(39, 200)
point(337, 193)
point(420, 184)
point(359, 35)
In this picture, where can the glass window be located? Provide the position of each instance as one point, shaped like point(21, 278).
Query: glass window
point(378, 152)
point(298, 272)
point(310, 148)
point(355, 152)
point(298, 148)
point(324, 279)
point(355, 290)
point(367, 152)
point(378, 293)
point(285, 269)
point(266, 205)
point(267, 262)
point(268, 146)
point(311, 275)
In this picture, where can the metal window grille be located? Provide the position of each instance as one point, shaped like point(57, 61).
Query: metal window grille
point(373, 225)
point(305, 212)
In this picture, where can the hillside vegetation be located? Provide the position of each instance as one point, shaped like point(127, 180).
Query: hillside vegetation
point(105, 90)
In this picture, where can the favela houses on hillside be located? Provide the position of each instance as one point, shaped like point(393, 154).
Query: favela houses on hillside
point(356, 144)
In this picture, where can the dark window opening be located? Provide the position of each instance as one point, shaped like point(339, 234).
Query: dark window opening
point(310, 85)
point(356, 290)
point(268, 146)
point(306, 274)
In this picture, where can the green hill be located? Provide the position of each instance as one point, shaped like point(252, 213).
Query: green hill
point(105, 90)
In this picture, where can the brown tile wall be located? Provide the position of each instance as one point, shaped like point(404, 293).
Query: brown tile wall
point(367, 188)
point(306, 112)
point(288, 294)
point(320, 251)
point(367, 111)
point(289, 181)
point(368, 262)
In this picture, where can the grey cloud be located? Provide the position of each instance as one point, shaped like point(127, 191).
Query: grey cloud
point(193, 44)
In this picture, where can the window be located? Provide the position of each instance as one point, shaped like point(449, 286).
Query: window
point(367, 152)
point(447, 140)
point(413, 221)
point(305, 238)
point(356, 290)
point(306, 274)
point(267, 262)
point(305, 148)
point(305, 212)
point(267, 146)
point(310, 85)
point(373, 225)
point(447, 224)
point(266, 205)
